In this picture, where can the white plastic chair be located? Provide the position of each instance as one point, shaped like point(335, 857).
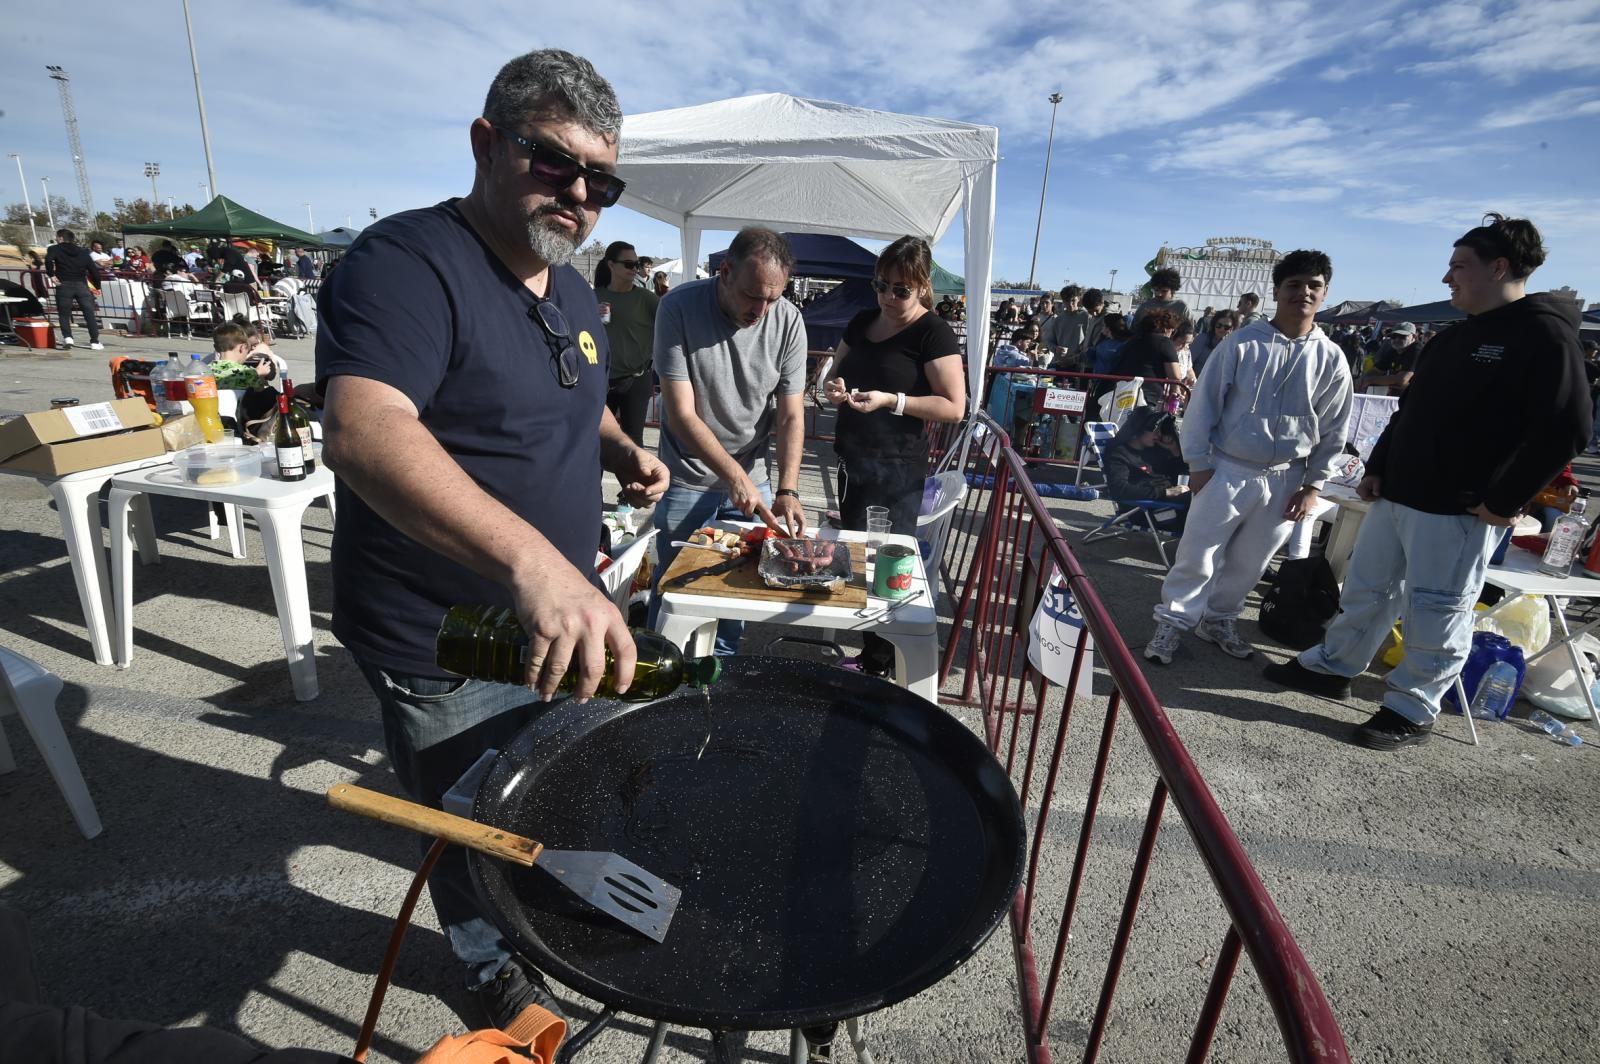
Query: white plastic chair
point(1097, 436)
point(934, 526)
point(30, 690)
point(232, 303)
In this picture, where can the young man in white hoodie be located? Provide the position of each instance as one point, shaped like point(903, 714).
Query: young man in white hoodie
point(1264, 430)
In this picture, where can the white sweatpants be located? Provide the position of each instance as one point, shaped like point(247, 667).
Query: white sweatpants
point(1235, 527)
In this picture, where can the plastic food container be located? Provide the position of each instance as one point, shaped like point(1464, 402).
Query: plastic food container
point(218, 465)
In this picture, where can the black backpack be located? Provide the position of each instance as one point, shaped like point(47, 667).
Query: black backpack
point(1303, 599)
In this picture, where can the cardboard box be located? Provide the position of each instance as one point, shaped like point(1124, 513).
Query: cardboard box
point(75, 438)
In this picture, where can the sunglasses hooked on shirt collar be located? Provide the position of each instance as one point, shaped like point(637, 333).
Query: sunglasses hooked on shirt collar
point(901, 291)
point(554, 167)
point(558, 336)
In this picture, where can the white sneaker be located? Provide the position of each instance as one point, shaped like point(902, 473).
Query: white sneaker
point(97, 346)
point(66, 341)
point(1225, 634)
point(1163, 644)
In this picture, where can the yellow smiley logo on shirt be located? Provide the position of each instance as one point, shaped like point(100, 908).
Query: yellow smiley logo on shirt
point(586, 345)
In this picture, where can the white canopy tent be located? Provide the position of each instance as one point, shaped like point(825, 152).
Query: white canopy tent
point(814, 166)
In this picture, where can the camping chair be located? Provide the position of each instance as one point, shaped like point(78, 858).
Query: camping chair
point(1130, 514)
point(1097, 436)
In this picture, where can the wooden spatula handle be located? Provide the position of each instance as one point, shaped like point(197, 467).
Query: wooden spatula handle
point(459, 830)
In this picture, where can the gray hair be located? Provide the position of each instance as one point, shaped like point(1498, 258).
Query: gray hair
point(551, 83)
point(755, 242)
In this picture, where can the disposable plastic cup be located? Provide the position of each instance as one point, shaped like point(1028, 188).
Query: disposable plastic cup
point(877, 532)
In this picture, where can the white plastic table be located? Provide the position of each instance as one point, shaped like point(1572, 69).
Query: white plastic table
point(689, 620)
point(277, 506)
point(1519, 575)
point(77, 499)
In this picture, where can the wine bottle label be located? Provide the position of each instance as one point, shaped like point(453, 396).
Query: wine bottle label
point(290, 460)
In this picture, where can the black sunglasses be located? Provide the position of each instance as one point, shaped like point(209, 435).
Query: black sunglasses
point(554, 167)
point(559, 338)
point(901, 291)
point(627, 264)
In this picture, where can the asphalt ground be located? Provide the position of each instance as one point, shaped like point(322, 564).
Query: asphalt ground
point(1446, 896)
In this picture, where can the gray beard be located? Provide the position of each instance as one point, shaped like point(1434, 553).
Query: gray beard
point(550, 241)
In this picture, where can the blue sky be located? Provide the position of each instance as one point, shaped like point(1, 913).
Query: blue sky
point(1376, 131)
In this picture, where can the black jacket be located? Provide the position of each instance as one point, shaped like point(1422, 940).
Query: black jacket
point(1498, 405)
point(1135, 474)
point(68, 263)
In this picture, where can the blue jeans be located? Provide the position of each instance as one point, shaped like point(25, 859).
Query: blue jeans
point(681, 511)
point(1427, 570)
point(434, 730)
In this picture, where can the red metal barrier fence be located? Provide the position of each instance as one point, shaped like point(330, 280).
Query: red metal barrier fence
point(1002, 547)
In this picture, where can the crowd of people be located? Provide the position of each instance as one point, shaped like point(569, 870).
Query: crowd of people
point(73, 274)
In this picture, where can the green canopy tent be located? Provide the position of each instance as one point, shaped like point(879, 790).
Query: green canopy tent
point(946, 283)
point(224, 218)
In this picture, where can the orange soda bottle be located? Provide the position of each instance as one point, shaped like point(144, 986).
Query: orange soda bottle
point(203, 397)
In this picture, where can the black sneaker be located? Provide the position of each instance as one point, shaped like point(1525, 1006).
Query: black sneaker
point(1294, 675)
point(1388, 730)
point(514, 987)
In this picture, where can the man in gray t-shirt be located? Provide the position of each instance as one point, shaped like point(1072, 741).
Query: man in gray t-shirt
point(726, 348)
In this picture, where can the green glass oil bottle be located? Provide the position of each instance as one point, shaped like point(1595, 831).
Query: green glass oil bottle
point(488, 643)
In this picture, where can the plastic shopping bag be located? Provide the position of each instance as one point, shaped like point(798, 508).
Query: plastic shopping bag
point(1117, 404)
point(1525, 621)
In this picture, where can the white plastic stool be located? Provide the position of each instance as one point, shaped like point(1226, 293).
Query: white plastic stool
point(31, 690)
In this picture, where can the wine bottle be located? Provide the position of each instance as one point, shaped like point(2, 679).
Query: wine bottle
point(291, 459)
point(301, 423)
point(488, 643)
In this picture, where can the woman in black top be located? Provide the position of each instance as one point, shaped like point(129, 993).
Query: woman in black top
point(897, 368)
point(1150, 354)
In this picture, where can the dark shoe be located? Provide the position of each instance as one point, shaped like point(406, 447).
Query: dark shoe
point(514, 987)
point(1294, 675)
point(1388, 730)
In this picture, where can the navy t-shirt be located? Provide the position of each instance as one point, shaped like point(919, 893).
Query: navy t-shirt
point(422, 304)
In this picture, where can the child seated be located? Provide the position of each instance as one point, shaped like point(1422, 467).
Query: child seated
point(1144, 462)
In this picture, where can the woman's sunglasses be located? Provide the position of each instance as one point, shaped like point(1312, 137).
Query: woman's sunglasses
point(559, 338)
point(901, 291)
point(627, 264)
point(554, 167)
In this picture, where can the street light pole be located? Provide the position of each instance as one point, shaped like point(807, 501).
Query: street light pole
point(49, 212)
point(312, 222)
point(1055, 101)
point(32, 226)
point(152, 171)
point(200, 100)
point(1113, 288)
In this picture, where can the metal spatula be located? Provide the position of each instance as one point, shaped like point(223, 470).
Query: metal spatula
point(608, 881)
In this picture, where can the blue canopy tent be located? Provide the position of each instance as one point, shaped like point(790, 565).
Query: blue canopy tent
point(1423, 313)
point(826, 318)
point(821, 255)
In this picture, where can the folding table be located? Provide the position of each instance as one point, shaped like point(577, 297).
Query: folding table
point(689, 618)
point(277, 506)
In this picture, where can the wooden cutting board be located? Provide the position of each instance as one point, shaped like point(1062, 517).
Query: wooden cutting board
point(746, 583)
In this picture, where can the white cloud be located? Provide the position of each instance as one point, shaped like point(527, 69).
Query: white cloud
point(1311, 194)
point(1568, 103)
point(1570, 215)
point(1506, 41)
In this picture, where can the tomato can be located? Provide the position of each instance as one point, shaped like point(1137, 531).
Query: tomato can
point(894, 571)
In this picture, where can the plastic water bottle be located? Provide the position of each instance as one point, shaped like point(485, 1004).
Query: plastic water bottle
point(1564, 540)
point(1558, 729)
point(625, 517)
point(1495, 692)
point(158, 391)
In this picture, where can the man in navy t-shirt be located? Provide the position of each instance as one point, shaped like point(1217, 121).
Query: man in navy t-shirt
point(464, 367)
